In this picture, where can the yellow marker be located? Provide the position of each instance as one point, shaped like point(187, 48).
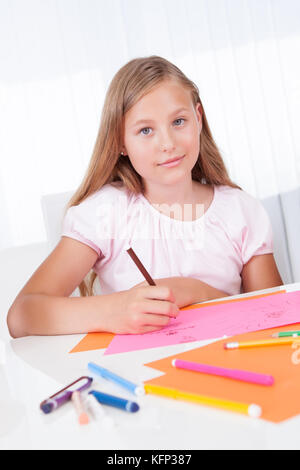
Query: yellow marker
point(263, 342)
point(252, 410)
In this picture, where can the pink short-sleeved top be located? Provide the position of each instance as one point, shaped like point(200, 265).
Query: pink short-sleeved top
point(212, 248)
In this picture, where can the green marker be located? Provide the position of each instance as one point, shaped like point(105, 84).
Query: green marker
point(283, 334)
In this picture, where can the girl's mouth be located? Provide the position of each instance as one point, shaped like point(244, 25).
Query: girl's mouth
point(173, 162)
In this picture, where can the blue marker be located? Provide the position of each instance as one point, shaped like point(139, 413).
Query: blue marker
point(106, 374)
point(116, 402)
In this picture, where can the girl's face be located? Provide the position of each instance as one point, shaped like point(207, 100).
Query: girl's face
point(163, 125)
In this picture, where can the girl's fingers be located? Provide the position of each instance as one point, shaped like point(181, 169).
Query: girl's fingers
point(159, 293)
point(149, 329)
point(162, 308)
point(155, 320)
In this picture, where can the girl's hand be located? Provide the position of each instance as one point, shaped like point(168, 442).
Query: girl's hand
point(183, 289)
point(142, 309)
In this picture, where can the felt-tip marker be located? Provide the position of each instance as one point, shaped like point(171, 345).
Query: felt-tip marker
point(116, 402)
point(107, 374)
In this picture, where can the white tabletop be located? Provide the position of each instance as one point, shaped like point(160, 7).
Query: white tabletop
point(33, 368)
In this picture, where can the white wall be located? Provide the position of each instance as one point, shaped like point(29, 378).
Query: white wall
point(57, 58)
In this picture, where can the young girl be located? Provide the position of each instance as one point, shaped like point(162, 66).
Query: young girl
point(156, 182)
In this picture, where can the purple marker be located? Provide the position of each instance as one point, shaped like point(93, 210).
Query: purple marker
point(64, 395)
point(52, 403)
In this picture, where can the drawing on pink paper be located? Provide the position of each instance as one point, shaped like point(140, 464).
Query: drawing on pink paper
point(215, 321)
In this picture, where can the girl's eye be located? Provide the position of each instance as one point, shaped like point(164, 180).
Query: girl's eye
point(180, 119)
point(145, 129)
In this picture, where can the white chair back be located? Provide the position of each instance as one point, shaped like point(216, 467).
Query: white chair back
point(284, 213)
point(53, 207)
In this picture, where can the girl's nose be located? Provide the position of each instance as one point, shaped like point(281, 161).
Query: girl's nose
point(166, 142)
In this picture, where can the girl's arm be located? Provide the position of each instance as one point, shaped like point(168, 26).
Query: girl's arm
point(43, 314)
point(260, 273)
point(188, 290)
point(43, 307)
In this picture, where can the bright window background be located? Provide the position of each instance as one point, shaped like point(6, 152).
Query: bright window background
point(57, 58)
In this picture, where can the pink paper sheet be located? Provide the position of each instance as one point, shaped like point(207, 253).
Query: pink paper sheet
point(215, 321)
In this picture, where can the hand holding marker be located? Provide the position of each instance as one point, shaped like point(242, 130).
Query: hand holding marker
point(141, 267)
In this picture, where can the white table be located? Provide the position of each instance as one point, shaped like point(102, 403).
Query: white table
point(33, 368)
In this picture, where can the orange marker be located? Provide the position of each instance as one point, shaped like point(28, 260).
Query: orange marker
point(78, 404)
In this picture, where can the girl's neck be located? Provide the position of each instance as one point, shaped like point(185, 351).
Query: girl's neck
point(181, 194)
point(184, 206)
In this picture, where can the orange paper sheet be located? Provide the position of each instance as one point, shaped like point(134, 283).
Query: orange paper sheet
point(94, 341)
point(226, 301)
point(279, 401)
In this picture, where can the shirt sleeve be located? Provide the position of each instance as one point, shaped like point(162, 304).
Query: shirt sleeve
point(257, 236)
point(78, 223)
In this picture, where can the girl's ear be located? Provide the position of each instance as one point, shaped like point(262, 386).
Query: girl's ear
point(123, 152)
point(199, 115)
point(199, 110)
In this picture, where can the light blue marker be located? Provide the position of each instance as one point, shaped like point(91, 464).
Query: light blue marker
point(116, 402)
point(107, 374)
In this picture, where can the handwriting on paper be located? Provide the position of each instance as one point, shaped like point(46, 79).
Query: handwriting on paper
point(215, 321)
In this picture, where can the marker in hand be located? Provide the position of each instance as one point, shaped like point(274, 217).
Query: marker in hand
point(141, 267)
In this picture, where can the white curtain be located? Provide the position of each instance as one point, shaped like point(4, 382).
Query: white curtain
point(57, 58)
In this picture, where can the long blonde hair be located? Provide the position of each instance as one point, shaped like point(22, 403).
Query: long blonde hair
point(134, 80)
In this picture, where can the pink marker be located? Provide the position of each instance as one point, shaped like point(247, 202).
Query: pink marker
point(236, 374)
